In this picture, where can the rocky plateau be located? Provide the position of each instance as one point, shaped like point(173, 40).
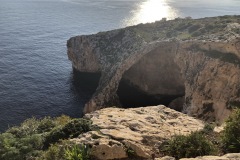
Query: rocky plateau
point(134, 130)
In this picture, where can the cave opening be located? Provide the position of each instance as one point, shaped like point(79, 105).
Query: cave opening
point(84, 84)
point(130, 97)
point(155, 79)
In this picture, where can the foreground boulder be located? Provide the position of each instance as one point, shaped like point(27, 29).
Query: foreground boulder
point(134, 132)
point(195, 59)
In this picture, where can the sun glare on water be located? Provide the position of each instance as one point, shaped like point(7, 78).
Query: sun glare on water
point(150, 11)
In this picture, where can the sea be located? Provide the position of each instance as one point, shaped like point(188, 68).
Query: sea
point(36, 77)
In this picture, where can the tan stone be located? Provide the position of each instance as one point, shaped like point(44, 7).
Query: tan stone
point(102, 147)
point(139, 149)
point(230, 156)
point(165, 158)
point(139, 129)
point(219, 129)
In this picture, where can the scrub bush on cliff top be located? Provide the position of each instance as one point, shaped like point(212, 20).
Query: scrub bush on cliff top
point(22, 148)
point(71, 129)
point(77, 152)
point(193, 145)
point(28, 140)
point(55, 151)
point(231, 133)
point(66, 150)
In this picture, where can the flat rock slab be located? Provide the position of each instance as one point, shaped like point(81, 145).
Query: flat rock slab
point(230, 156)
point(135, 130)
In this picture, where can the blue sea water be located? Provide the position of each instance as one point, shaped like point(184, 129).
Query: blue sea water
point(36, 76)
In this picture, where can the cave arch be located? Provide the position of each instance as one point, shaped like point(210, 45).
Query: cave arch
point(154, 79)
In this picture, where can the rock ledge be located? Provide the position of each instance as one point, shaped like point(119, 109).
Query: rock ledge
point(140, 130)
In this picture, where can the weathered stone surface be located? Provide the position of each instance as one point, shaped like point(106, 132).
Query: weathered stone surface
point(158, 59)
point(102, 147)
point(165, 158)
point(139, 129)
point(219, 129)
point(230, 156)
point(211, 84)
point(177, 104)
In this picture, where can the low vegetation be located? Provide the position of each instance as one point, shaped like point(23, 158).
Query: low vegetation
point(186, 28)
point(193, 145)
point(76, 152)
point(206, 141)
point(42, 138)
point(48, 139)
point(72, 129)
point(231, 133)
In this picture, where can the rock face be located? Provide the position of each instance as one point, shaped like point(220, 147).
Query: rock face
point(137, 131)
point(195, 59)
point(230, 156)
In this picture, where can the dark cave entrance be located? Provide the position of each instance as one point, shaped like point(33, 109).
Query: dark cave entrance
point(130, 96)
point(155, 79)
point(84, 84)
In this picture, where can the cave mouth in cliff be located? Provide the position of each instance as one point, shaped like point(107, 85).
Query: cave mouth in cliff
point(84, 84)
point(131, 97)
point(154, 79)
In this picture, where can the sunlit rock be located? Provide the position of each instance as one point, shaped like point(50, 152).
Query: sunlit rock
point(195, 59)
point(137, 131)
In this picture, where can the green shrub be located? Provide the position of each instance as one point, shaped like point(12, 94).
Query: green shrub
point(182, 26)
point(28, 127)
point(62, 120)
point(19, 148)
point(196, 34)
point(54, 152)
point(209, 26)
point(26, 141)
point(194, 27)
point(45, 125)
point(130, 152)
point(231, 133)
point(77, 153)
point(192, 145)
point(208, 128)
point(71, 129)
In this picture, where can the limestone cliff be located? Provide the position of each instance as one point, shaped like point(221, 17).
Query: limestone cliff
point(195, 59)
point(140, 129)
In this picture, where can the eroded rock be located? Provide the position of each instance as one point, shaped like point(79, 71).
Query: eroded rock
point(229, 156)
point(137, 131)
point(167, 58)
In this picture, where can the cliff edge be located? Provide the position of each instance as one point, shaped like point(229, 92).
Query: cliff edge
point(193, 60)
point(123, 132)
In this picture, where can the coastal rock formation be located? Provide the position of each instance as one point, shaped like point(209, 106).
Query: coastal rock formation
point(137, 131)
point(230, 156)
point(195, 59)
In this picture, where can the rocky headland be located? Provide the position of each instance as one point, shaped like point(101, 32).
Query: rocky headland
point(189, 65)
